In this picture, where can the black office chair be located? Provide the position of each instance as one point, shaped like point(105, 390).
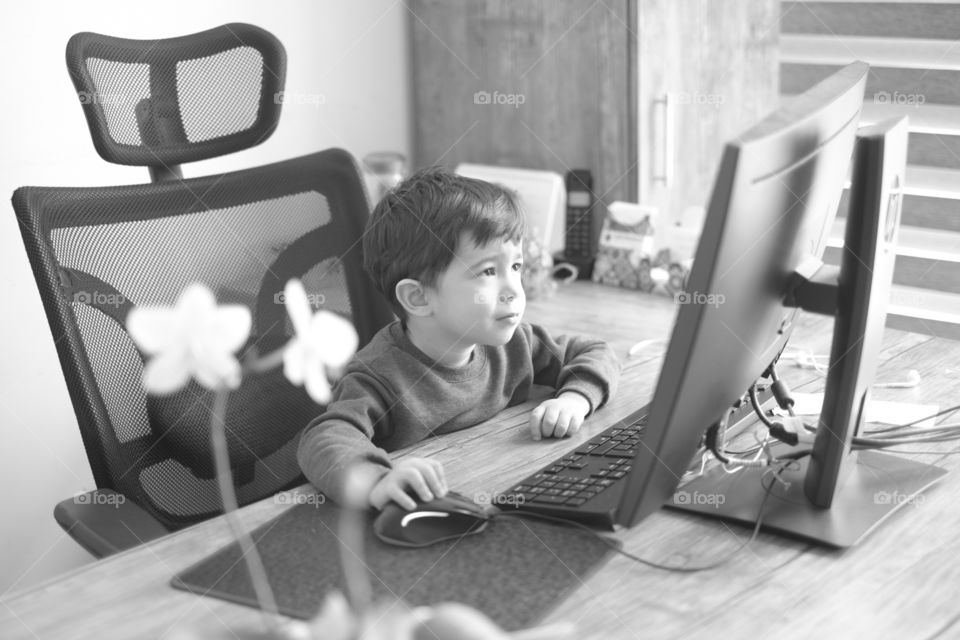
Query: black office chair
point(98, 252)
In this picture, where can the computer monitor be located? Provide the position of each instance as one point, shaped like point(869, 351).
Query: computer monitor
point(861, 296)
point(759, 258)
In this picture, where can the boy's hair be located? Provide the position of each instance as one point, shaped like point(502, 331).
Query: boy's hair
point(413, 231)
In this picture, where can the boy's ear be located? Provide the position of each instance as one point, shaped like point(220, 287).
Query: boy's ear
point(412, 297)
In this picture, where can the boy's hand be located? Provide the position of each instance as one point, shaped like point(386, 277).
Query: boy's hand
point(424, 477)
point(560, 416)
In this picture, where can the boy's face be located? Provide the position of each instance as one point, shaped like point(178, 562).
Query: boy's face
point(479, 299)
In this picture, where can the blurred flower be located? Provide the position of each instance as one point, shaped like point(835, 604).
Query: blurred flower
point(197, 339)
point(323, 341)
point(194, 339)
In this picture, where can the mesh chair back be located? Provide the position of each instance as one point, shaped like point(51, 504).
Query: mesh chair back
point(159, 103)
point(97, 252)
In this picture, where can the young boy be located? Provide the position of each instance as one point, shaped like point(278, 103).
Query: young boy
point(447, 253)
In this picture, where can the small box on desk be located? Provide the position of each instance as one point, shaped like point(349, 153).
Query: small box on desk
point(633, 253)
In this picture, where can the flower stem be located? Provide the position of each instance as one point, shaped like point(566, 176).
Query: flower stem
point(356, 580)
point(221, 459)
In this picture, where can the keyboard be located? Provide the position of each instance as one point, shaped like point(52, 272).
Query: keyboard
point(585, 485)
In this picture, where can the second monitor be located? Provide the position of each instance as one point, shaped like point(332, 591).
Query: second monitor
point(759, 257)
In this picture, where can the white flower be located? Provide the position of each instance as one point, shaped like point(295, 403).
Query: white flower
point(194, 339)
point(323, 341)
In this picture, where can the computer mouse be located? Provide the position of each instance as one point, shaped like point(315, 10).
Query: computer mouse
point(446, 518)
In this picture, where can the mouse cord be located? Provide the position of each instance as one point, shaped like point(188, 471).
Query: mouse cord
point(650, 563)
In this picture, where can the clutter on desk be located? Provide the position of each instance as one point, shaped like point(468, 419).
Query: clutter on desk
point(884, 412)
point(635, 254)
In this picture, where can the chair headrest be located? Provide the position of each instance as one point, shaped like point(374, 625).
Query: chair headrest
point(158, 103)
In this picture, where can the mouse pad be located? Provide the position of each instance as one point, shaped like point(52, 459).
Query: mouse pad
point(515, 571)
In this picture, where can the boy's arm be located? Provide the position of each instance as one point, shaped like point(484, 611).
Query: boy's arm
point(342, 436)
point(584, 365)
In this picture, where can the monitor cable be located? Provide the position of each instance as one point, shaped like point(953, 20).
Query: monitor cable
point(679, 568)
point(793, 431)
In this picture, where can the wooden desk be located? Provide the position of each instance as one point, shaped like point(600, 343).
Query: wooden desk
point(902, 582)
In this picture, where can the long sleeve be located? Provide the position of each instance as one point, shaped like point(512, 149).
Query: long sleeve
point(584, 365)
point(392, 396)
point(343, 435)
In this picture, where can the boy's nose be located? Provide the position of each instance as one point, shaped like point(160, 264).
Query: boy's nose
point(508, 298)
point(511, 288)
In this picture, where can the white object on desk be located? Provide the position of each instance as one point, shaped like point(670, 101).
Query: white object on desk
point(630, 226)
point(682, 236)
point(883, 411)
point(543, 198)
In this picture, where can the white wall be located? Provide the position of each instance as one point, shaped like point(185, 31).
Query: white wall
point(353, 54)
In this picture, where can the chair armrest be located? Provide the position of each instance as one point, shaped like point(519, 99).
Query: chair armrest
point(105, 522)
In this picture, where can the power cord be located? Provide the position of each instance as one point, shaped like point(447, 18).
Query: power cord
point(793, 430)
point(650, 563)
point(924, 419)
point(806, 359)
point(714, 441)
point(896, 435)
point(790, 429)
point(755, 401)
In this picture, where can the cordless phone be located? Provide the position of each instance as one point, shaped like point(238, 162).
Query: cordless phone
point(580, 240)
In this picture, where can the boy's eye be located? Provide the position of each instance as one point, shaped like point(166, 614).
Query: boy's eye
point(517, 266)
point(489, 271)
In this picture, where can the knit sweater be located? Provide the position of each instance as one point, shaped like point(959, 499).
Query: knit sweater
point(393, 395)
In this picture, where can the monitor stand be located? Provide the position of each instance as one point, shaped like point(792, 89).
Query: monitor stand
point(877, 485)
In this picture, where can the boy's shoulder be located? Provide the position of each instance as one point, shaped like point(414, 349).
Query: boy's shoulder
point(389, 357)
point(384, 347)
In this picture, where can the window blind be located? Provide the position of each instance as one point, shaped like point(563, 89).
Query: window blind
point(914, 55)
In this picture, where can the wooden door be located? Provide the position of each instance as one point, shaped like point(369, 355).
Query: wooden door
point(538, 84)
point(707, 70)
